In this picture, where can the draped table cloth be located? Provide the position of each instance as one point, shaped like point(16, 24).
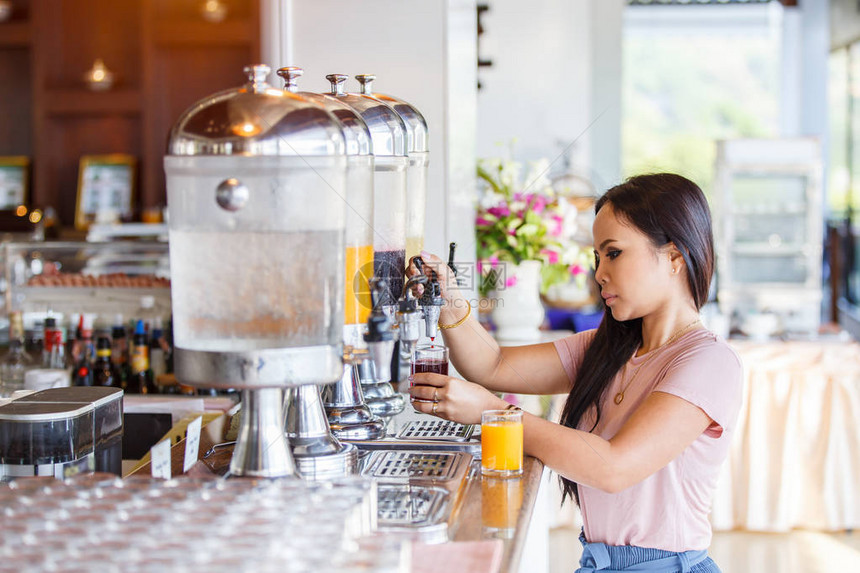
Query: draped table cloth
point(795, 455)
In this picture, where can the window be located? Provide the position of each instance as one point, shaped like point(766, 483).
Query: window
point(693, 75)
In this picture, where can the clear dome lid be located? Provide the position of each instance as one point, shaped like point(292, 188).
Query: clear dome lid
point(355, 130)
point(256, 120)
point(387, 129)
point(417, 135)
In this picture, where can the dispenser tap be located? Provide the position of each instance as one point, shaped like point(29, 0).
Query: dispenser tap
point(410, 315)
point(431, 302)
point(380, 333)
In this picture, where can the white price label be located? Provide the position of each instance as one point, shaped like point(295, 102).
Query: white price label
point(192, 443)
point(160, 464)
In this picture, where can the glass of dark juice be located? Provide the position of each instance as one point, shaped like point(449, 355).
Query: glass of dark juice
point(430, 358)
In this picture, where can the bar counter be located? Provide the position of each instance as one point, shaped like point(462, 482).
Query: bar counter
point(487, 530)
point(490, 503)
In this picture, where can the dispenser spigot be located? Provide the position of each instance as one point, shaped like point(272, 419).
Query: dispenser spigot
point(380, 333)
point(431, 302)
point(410, 315)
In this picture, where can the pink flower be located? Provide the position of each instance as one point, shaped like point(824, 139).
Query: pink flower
point(551, 256)
point(480, 221)
point(501, 211)
point(511, 281)
point(519, 196)
point(480, 266)
point(512, 232)
point(576, 270)
point(538, 205)
point(494, 261)
point(559, 225)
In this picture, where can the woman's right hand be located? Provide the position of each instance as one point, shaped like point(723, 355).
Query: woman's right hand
point(434, 267)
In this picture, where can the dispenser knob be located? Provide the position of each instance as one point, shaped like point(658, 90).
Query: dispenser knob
point(257, 75)
point(290, 75)
point(231, 194)
point(366, 82)
point(337, 81)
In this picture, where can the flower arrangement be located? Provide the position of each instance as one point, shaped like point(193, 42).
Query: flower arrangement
point(521, 219)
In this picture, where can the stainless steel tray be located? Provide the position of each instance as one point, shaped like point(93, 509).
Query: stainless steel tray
point(398, 465)
point(419, 491)
point(411, 430)
point(436, 429)
point(415, 509)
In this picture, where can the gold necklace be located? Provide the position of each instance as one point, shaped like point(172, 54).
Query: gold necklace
point(620, 396)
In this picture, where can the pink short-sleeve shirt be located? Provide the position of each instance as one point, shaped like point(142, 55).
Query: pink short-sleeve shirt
point(669, 509)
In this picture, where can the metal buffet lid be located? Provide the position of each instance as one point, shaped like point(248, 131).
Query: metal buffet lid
point(417, 135)
point(256, 119)
point(387, 129)
point(355, 130)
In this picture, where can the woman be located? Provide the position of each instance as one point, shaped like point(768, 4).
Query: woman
point(653, 397)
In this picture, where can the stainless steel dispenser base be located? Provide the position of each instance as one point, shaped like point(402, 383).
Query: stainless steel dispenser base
point(330, 466)
point(267, 368)
point(356, 423)
point(382, 399)
point(348, 415)
point(261, 446)
point(317, 453)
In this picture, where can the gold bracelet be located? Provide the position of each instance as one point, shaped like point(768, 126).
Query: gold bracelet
point(459, 322)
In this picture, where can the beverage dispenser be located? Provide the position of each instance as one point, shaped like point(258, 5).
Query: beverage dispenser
point(389, 139)
point(257, 255)
point(418, 150)
point(314, 442)
point(417, 145)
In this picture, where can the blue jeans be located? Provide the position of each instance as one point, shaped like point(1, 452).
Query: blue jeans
point(602, 558)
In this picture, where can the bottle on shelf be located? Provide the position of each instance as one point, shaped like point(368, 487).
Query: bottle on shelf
point(34, 341)
point(104, 368)
point(16, 362)
point(82, 368)
point(74, 346)
point(158, 349)
point(54, 352)
point(146, 312)
point(140, 376)
point(119, 349)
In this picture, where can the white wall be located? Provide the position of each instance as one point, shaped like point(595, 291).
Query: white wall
point(556, 69)
point(421, 51)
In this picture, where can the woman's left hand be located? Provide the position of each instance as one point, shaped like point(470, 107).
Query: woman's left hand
point(452, 398)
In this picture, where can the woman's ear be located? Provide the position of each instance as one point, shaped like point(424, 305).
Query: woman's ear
point(676, 260)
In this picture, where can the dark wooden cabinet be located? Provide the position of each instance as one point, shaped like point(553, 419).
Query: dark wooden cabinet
point(164, 55)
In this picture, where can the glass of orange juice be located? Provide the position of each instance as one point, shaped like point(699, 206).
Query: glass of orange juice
point(502, 443)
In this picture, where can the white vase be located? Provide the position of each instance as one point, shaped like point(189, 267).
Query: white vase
point(517, 310)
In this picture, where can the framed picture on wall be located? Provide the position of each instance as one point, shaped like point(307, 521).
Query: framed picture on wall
point(106, 189)
point(14, 181)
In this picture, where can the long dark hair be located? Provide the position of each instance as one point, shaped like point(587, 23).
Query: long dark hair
point(666, 208)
